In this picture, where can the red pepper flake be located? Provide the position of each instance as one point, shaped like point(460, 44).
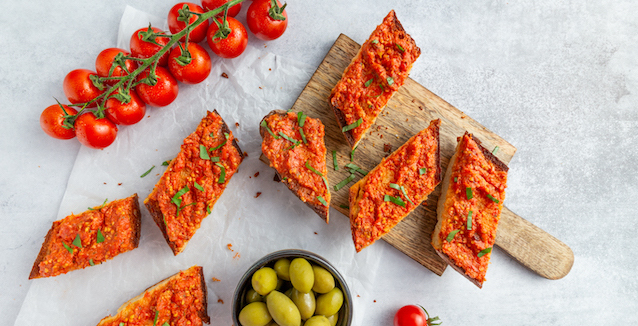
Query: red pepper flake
point(220, 301)
point(387, 148)
point(119, 184)
point(237, 124)
point(258, 194)
point(380, 136)
point(315, 232)
point(269, 69)
point(225, 75)
point(230, 247)
point(375, 300)
point(215, 279)
point(256, 174)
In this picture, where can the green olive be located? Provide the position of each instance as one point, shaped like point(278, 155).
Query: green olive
point(324, 281)
point(264, 280)
point(317, 321)
point(301, 275)
point(333, 319)
point(282, 309)
point(252, 296)
point(329, 304)
point(282, 267)
point(305, 302)
point(254, 314)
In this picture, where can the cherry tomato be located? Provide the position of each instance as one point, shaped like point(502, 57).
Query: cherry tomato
point(52, 121)
point(266, 22)
point(412, 315)
point(175, 26)
point(143, 49)
point(125, 113)
point(79, 88)
point(194, 72)
point(163, 93)
point(93, 132)
point(231, 46)
point(214, 4)
point(104, 62)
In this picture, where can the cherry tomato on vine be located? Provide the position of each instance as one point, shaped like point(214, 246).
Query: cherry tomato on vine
point(175, 25)
point(93, 132)
point(53, 121)
point(214, 4)
point(162, 93)
point(412, 315)
point(142, 46)
point(79, 88)
point(235, 41)
point(267, 19)
point(125, 113)
point(197, 68)
point(105, 60)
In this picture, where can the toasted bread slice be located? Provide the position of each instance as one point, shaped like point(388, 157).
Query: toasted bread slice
point(395, 187)
point(472, 195)
point(178, 300)
point(90, 238)
point(301, 164)
point(194, 180)
point(378, 70)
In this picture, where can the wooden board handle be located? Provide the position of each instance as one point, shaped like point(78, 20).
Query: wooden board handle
point(532, 247)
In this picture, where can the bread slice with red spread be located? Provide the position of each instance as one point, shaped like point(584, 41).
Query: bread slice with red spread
point(378, 70)
point(469, 208)
point(294, 146)
point(178, 300)
point(395, 187)
point(194, 180)
point(90, 238)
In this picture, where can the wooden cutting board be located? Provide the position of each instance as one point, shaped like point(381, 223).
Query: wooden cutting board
point(408, 112)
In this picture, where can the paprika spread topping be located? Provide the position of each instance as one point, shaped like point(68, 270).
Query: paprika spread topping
point(395, 187)
point(378, 70)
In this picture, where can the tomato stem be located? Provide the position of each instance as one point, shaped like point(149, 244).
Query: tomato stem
point(275, 12)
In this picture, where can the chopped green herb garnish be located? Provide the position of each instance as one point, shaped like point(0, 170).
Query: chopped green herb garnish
point(214, 159)
point(147, 172)
point(469, 220)
point(484, 252)
point(77, 241)
point(344, 206)
point(325, 181)
point(344, 182)
point(100, 237)
point(203, 153)
point(222, 176)
point(397, 187)
point(492, 198)
point(287, 138)
point(382, 88)
point(375, 41)
point(390, 80)
point(313, 169)
point(468, 193)
point(354, 168)
point(179, 209)
point(334, 160)
point(400, 47)
point(69, 249)
point(303, 136)
point(121, 324)
point(451, 235)
point(352, 126)
point(91, 262)
point(323, 201)
point(208, 209)
point(495, 150)
point(166, 163)
point(423, 171)
point(156, 316)
point(395, 200)
point(369, 82)
point(352, 153)
point(164, 218)
point(456, 179)
point(198, 187)
point(176, 198)
point(301, 118)
point(222, 144)
point(265, 125)
point(165, 324)
point(104, 203)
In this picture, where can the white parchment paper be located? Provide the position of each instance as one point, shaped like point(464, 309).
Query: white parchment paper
point(253, 227)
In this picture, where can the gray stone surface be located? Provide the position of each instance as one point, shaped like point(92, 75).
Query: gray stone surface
point(557, 79)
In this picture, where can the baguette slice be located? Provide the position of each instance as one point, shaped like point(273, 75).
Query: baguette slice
point(415, 166)
point(471, 167)
point(378, 70)
point(178, 300)
point(90, 238)
point(291, 161)
point(192, 183)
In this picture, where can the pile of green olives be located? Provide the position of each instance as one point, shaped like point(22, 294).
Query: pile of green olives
point(292, 293)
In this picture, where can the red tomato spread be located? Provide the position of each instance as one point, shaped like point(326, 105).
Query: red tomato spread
point(380, 68)
point(414, 167)
point(476, 169)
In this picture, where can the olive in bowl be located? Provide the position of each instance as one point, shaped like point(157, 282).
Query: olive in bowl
point(292, 288)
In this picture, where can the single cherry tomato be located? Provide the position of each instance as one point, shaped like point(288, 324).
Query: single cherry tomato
point(80, 88)
point(193, 72)
point(162, 93)
point(141, 46)
point(175, 25)
point(107, 58)
point(214, 4)
point(235, 41)
point(53, 121)
point(125, 113)
point(267, 19)
point(412, 315)
point(93, 132)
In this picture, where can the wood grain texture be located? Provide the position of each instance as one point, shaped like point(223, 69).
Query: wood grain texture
point(408, 112)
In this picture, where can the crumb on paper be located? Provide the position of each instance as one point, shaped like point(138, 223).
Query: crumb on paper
point(260, 87)
point(105, 183)
point(245, 154)
point(237, 256)
point(220, 301)
point(215, 279)
point(258, 194)
point(225, 75)
point(119, 184)
point(237, 124)
point(316, 232)
point(269, 69)
point(230, 247)
point(358, 296)
point(375, 301)
point(256, 174)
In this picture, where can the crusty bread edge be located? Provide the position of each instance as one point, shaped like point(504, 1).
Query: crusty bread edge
point(321, 210)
